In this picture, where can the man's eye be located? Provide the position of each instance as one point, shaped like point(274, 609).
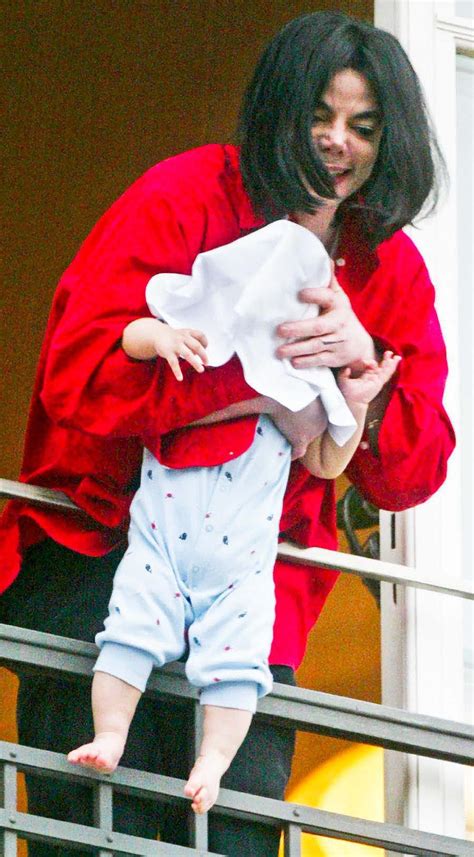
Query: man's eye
point(366, 131)
point(318, 118)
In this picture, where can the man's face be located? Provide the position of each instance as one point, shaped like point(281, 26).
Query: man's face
point(347, 130)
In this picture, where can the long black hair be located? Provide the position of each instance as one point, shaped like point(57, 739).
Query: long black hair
point(278, 158)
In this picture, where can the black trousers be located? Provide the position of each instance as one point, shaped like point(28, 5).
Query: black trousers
point(61, 592)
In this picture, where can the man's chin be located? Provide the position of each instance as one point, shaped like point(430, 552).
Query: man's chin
point(344, 187)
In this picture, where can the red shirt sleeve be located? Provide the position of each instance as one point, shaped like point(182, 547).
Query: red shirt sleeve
point(89, 382)
point(416, 437)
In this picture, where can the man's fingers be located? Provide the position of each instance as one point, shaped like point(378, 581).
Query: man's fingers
point(323, 358)
point(332, 307)
point(308, 347)
point(299, 348)
point(309, 329)
point(334, 284)
point(326, 293)
point(324, 297)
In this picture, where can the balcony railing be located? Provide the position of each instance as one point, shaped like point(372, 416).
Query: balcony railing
point(306, 710)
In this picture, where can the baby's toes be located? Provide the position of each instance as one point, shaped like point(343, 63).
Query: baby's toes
point(191, 789)
point(80, 755)
point(73, 757)
point(100, 761)
point(202, 802)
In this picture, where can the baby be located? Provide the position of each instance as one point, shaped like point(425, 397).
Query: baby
point(225, 612)
point(197, 578)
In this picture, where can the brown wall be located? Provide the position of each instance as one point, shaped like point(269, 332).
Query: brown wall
point(98, 92)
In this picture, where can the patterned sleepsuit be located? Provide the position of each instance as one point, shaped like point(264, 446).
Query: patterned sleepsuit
point(198, 574)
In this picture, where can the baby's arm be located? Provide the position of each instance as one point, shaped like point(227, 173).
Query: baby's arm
point(147, 338)
point(324, 457)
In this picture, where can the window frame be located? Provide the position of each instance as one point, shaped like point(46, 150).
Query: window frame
point(422, 640)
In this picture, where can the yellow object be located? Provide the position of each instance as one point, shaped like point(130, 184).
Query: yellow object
point(349, 783)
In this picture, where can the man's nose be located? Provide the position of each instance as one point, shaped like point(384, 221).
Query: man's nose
point(334, 137)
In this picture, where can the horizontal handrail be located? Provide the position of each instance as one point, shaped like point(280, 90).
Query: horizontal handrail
point(11, 490)
point(372, 569)
point(307, 710)
point(251, 807)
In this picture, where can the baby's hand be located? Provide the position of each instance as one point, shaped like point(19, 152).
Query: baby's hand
point(366, 386)
point(184, 343)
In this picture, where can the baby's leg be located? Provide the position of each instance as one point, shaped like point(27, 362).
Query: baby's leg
point(224, 731)
point(113, 706)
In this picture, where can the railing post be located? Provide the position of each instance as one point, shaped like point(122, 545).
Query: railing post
point(103, 813)
point(8, 797)
point(198, 823)
point(292, 836)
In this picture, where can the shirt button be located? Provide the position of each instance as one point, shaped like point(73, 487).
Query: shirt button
point(231, 452)
point(340, 262)
point(209, 528)
point(363, 444)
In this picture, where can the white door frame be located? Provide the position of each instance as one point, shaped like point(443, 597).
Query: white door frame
point(422, 643)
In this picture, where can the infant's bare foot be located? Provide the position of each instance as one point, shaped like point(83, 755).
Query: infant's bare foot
point(103, 753)
point(204, 780)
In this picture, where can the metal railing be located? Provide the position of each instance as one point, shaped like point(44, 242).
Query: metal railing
point(305, 710)
point(371, 569)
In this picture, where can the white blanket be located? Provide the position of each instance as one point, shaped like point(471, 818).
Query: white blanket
point(238, 294)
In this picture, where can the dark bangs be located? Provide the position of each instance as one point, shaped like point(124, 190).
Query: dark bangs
point(278, 157)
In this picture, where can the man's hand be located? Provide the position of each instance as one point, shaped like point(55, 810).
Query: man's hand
point(334, 338)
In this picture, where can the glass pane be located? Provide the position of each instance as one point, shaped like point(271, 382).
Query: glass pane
point(465, 157)
point(464, 8)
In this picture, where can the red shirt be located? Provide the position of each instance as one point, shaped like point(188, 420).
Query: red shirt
point(93, 408)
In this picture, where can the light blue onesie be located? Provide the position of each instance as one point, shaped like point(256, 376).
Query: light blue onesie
point(198, 573)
